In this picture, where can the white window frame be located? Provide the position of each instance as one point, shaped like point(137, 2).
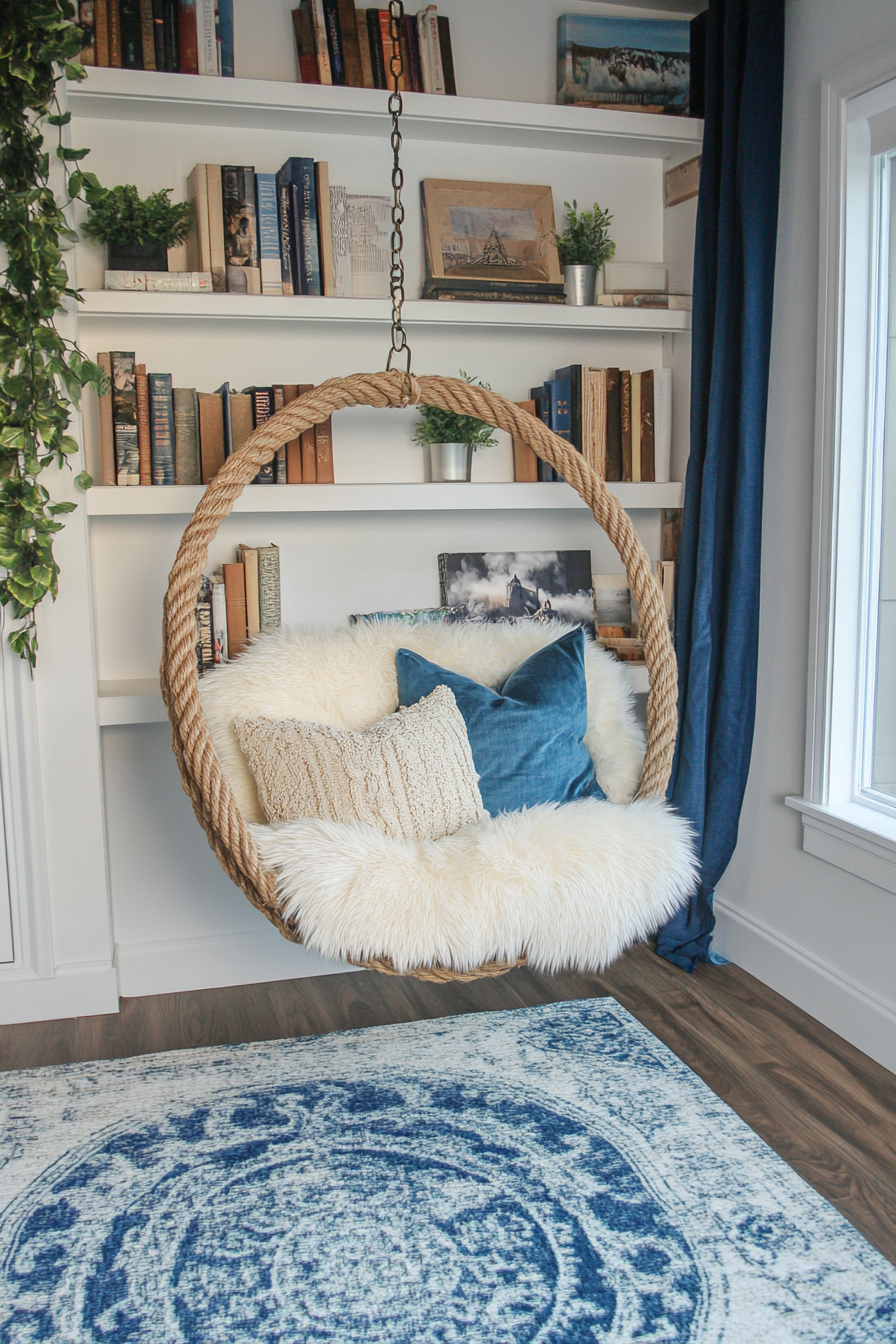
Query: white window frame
point(842, 822)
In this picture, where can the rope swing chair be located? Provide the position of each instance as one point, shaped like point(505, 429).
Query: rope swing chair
point(203, 777)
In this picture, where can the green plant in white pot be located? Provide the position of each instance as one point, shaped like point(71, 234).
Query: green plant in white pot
point(584, 246)
point(452, 439)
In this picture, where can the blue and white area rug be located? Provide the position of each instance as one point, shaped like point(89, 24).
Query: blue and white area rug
point(547, 1176)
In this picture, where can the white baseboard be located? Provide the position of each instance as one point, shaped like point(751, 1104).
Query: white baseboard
point(859, 1015)
point(74, 991)
point(213, 962)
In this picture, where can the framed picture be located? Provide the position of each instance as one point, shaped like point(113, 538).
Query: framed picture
point(682, 182)
point(489, 232)
point(631, 65)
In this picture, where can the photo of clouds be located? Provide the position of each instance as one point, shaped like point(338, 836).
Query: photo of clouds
point(519, 586)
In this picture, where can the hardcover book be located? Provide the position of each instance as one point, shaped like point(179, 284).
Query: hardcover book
point(211, 434)
point(361, 233)
point(308, 444)
point(447, 54)
point(594, 419)
point(351, 51)
point(334, 42)
point(538, 586)
point(187, 464)
point(224, 33)
point(322, 51)
point(298, 175)
point(268, 233)
point(240, 230)
point(219, 618)
point(172, 35)
point(364, 48)
point(614, 426)
point(278, 392)
point(375, 40)
point(107, 427)
point(662, 423)
point(218, 263)
point(306, 53)
point(287, 248)
point(323, 451)
point(158, 32)
point(205, 639)
point(636, 65)
point(188, 41)
point(207, 37)
point(525, 461)
point(147, 35)
point(144, 448)
point(161, 428)
point(199, 249)
point(131, 34)
point(268, 588)
point(235, 597)
point(248, 558)
point(101, 33)
point(294, 446)
point(124, 417)
point(262, 402)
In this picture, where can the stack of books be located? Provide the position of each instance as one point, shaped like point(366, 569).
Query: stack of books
point(152, 433)
point(338, 44)
point(640, 284)
point(187, 37)
point(621, 421)
point(237, 602)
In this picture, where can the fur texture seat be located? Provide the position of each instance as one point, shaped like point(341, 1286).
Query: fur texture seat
point(568, 885)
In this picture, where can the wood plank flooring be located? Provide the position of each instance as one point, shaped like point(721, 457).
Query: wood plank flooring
point(826, 1108)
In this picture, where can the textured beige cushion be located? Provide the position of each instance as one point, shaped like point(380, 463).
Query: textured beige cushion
point(411, 775)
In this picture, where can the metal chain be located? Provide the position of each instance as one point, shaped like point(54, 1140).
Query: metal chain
point(396, 275)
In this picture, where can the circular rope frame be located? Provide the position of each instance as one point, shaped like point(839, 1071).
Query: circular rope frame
point(201, 773)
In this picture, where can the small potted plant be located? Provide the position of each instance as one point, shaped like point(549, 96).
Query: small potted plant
point(137, 233)
point(452, 439)
point(584, 246)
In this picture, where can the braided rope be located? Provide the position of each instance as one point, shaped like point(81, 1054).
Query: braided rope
point(201, 773)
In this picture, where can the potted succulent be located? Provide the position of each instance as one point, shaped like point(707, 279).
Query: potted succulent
point(584, 246)
point(452, 439)
point(137, 233)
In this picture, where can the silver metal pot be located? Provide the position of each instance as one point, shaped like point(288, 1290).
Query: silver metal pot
point(579, 283)
point(450, 461)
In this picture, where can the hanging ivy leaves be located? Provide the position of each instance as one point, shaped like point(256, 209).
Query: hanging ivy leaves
point(41, 373)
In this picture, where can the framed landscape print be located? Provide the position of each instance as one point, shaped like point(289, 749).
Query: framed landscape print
point(482, 233)
point(633, 65)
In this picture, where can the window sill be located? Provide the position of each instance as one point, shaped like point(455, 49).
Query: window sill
point(850, 836)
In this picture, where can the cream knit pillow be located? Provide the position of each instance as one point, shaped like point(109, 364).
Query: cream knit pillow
point(411, 775)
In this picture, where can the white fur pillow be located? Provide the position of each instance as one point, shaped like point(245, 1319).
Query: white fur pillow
point(410, 775)
point(346, 678)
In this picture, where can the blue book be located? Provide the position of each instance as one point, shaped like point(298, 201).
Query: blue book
point(284, 216)
point(268, 218)
point(224, 393)
point(298, 174)
point(224, 34)
point(161, 428)
point(561, 413)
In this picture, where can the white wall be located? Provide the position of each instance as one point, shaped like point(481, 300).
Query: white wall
point(821, 937)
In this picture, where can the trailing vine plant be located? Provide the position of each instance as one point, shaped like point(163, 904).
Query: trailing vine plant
point(41, 372)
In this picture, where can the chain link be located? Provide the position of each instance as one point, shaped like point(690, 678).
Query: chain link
point(400, 344)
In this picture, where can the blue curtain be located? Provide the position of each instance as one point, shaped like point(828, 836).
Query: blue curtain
point(717, 607)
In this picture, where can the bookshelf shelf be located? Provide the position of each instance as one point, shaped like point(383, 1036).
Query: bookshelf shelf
point(256, 104)
point(118, 501)
point(105, 304)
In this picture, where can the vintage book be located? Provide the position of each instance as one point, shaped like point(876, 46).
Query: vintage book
point(614, 426)
point(306, 53)
point(386, 40)
point(434, 45)
point(662, 423)
point(224, 9)
point(625, 422)
point(211, 435)
point(241, 422)
point(298, 175)
point(240, 230)
point(262, 400)
point(540, 586)
point(144, 448)
point(187, 37)
point(636, 427)
point(131, 34)
point(375, 41)
point(351, 50)
point(635, 277)
point(219, 618)
point(218, 261)
point(572, 375)
point(633, 65)
point(268, 588)
point(561, 417)
point(364, 48)
point(87, 25)
point(542, 406)
point(199, 248)
point(205, 638)
point(309, 451)
point(226, 428)
point(525, 461)
point(278, 393)
point(160, 282)
point(294, 446)
point(321, 46)
point(411, 36)
point(287, 249)
point(235, 598)
point(665, 573)
point(678, 303)
point(594, 418)
point(405, 60)
point(446, 291)
point(172, 36)
point(268, 233)
point(109, 473)
point(207, 37)
point(334, 41)
point(612, 603)
point(324, 229)
point(447, 55)
point(158, 34)
point(101, 32)
point(161, 428)
point(147, 35)
point(248, 558)
point(424, 45)
point(670, 533)
point(187, 463)
point(368, 226)
point(323, 452)
point(114, 13)
point(124, 417)
point(648, 471)
point(339, 242)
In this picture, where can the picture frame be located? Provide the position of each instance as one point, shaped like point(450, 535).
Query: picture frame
point(682, 183)
point(478, 234)
point(624, 64)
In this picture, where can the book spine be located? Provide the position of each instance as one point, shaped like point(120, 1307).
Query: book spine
point(561, 418)
point(268, 233)
point(438, 74)
point(423, 46)
point(161, 428)
point(205, 640)
point(172, 282)
point(596, 435)
point(525, 461)
point(199, 253)
point(412, 42)
point(223, 392)
point(240, 419)
point(636, 426)
point(662, 423)
point(339, 243)
point(114, 13)
point(101, 31)
point(572, 375)
point(614, 427)
point(279, 396)
point(109, 475)
point(269, 588)
point(158, 34)
point(206, 37)
point(226, 58)
point(324, 229)
point(144, 446)
point(334, 41)
point(287, 250)
point(648, 468)
point(322, 50)
point(625, 422)
point(447, 55)
point(364, 48)
point(305, 207)
point(240, 230)
point(375, 40)
point(187, 37)
point(187, 464)
point(323, 452)
point(211, 435)
point(147, 35)
point(351, 51)
point(87, 24)
point(386, 40)
point(217, 259)
point(542, 404)
point(248, 556)
point(172, 36)
point(307, 439)
point(219, 621)
point(306, 56)
point(294, 447)
point(262, 410)
point(124, 417)
point(235, 600)
point(131, 35)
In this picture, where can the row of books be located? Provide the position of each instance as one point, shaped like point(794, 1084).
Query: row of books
point(237, 602)
point(620, 420)
point(187, 37)
point(338, 44)
point(288, 232)
point(152, 433)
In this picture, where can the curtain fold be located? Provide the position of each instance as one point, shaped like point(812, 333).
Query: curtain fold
point(717, 602)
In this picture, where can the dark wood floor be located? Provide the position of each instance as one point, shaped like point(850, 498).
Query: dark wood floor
point(829, 1110)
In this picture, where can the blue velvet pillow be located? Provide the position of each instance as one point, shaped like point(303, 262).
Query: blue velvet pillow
point(526, 738)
